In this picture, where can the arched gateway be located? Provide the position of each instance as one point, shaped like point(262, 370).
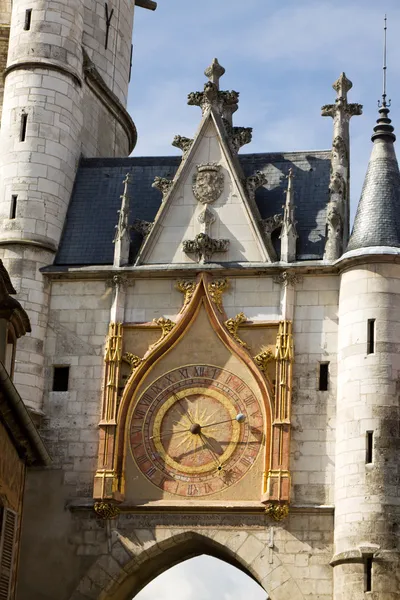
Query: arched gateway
point(131, 565)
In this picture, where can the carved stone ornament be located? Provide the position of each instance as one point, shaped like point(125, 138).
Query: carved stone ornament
point(334, 240)
point(288, 278)
point(337, 184)
point(263, 359)
point(238, 136)
point(106, 510)
point(340, 153)
point(208, 183)
point(183, 143)
point(166, 326)
point(187, 287)
point(132, 359)
point(142, 227)
point(255, 181)
point(278, 512)
point(233, 325)
point(272, 223)
point(163, 185)
point(216, 288)
point(203, 246)
point(119, 281)
point(206, 218)
point(223, 102)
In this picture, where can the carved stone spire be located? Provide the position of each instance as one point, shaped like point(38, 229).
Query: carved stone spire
point(288, 234)
point(122, 238)
point(338, 213)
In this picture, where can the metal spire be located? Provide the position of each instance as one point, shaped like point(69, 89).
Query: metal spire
point(384, 104)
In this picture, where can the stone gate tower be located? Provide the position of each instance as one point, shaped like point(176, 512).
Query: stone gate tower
point(367, 473)
point(65, 95)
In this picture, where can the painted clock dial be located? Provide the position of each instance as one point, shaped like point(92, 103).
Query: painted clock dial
point(196, 430)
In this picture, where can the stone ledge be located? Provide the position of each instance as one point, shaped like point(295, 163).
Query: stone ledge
point(86, 504)
point(43, 64)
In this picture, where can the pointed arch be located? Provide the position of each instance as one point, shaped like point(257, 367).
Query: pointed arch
point(133, 563)
point(203, 295)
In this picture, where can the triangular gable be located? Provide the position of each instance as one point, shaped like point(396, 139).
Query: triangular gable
point(230, 220)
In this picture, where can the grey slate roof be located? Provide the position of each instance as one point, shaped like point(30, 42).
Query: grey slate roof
point(377, 221)
point(92, 215)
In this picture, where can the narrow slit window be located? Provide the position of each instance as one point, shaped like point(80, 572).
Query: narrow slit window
point(60, 379)
point(368, 574)
point(323, 376)
point(369, 447)
point(24, 123)
point(371, 336)
point(13, 207)
point(28, 19)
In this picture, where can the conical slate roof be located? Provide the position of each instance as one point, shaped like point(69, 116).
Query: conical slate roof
point(377, 221)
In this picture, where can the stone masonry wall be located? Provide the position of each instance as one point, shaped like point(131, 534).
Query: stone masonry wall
point(79, 545)
point(112, 63)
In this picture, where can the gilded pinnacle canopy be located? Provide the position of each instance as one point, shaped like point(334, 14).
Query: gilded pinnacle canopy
point(377, 221)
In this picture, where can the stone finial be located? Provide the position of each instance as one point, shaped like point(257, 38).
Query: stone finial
point(288, 234)
point(224, 102)
point(214, 72)
point(122, 238)
point(342, 85)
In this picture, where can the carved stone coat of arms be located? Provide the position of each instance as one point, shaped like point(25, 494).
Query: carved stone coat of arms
point(208, 183)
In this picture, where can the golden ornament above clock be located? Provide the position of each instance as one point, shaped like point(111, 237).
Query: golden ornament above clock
point(196, 430)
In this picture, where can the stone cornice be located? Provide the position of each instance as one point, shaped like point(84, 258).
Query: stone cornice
point(25, 242)
point(106, 272)
point(98, 86)
point(43, 64)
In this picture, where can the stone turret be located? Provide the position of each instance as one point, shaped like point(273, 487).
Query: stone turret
point(65, 95)
point(367, 509)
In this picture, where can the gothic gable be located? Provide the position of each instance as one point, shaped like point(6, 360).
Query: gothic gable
point(208, 213)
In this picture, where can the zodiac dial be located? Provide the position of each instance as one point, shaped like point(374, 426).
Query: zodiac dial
point(196, 430)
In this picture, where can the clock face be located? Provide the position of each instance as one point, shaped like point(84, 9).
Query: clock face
point(196, 430)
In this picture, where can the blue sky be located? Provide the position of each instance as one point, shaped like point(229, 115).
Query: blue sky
point(202, 578)
point(281, 55)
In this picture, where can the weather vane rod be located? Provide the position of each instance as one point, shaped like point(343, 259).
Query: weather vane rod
point(384, 104)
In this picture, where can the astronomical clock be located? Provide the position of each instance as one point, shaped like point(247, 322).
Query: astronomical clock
point(196, 431)
point(191, 409)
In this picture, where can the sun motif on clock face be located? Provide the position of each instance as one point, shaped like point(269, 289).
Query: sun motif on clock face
point(196, 430)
